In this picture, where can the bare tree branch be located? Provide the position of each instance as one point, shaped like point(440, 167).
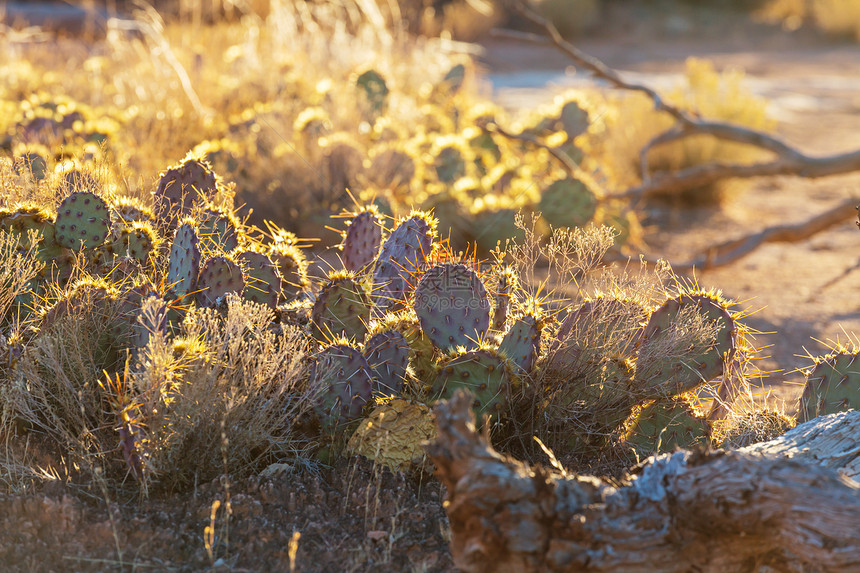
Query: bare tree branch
point(789, 160)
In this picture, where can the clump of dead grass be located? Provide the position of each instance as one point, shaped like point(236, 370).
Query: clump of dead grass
point(222, 397)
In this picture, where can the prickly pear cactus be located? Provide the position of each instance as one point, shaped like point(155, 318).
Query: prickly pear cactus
point(341, 309)
point(184, 263)
point(567, 203)
point(394, 434)
point(660, 377)
point(573, 119)
point(485, 372)
point(598, 328)
point(506, 283)
point(387, 353)
point(403, 253)
point(449, 164)
point(183, 187)
point(361, 241)
point(262, 278)
point(137, 240)
point(293, 267)
point(666, 425)
point(344, 380)
point(219, 231)
point(129, 210)
point(521, 343)
point(833, 385)
point(421, 350)
point(373, 85)
point(219, 276)
point(452, 304)
point(83, 221)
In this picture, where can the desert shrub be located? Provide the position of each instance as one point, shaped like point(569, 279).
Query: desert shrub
point(836, 17)
point(222, 397)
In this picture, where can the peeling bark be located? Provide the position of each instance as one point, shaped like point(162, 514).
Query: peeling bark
point(706, 512)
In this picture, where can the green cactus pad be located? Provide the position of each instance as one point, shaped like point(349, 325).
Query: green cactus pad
point(452, 305)
point(26, 218)
point(345, 382)
point(361, 241)
point(182, 188)
point(567, 202)
point(218, 277)
point(403, 253)
point(373, 85)
point(341, 309)
point(387, 353)
point(699, 365)
point(83, 221)
point(665, 425)
point(573, 119)
point(449, 164)
point(184, 263)
point(833, 385)
point(263, 279)
point(484, 372)
point(521, 343)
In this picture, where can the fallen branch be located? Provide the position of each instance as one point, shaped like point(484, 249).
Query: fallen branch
point(682, 512)
point(788, 161)
point(730, 251)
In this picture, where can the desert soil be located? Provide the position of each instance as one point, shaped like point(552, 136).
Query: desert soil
point(355, 517)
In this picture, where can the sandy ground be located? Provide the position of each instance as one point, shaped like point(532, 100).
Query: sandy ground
point(813, 86)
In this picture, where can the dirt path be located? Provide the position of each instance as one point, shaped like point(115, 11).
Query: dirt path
point(812, 85)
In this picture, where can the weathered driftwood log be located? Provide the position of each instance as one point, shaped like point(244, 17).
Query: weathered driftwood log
point(685, 511)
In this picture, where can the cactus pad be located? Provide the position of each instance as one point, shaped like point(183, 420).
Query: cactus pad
point(486, 373)
point(700, 364)
point(833, 385)
point(184, 264)
point(452, 305)
point(394, 434)
point(219, 231)
point(137, 240)
point(341, 309)
point(293, 267)
point(567, 203)
point(665, 425)
point(361, 241)
point(521, 343)
point(263, 279)
point(402, 254)
point(218, 277)
point(506, 283)
point(83, 221)
point(344, 380)
point(387, 353)
point(183, 187)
